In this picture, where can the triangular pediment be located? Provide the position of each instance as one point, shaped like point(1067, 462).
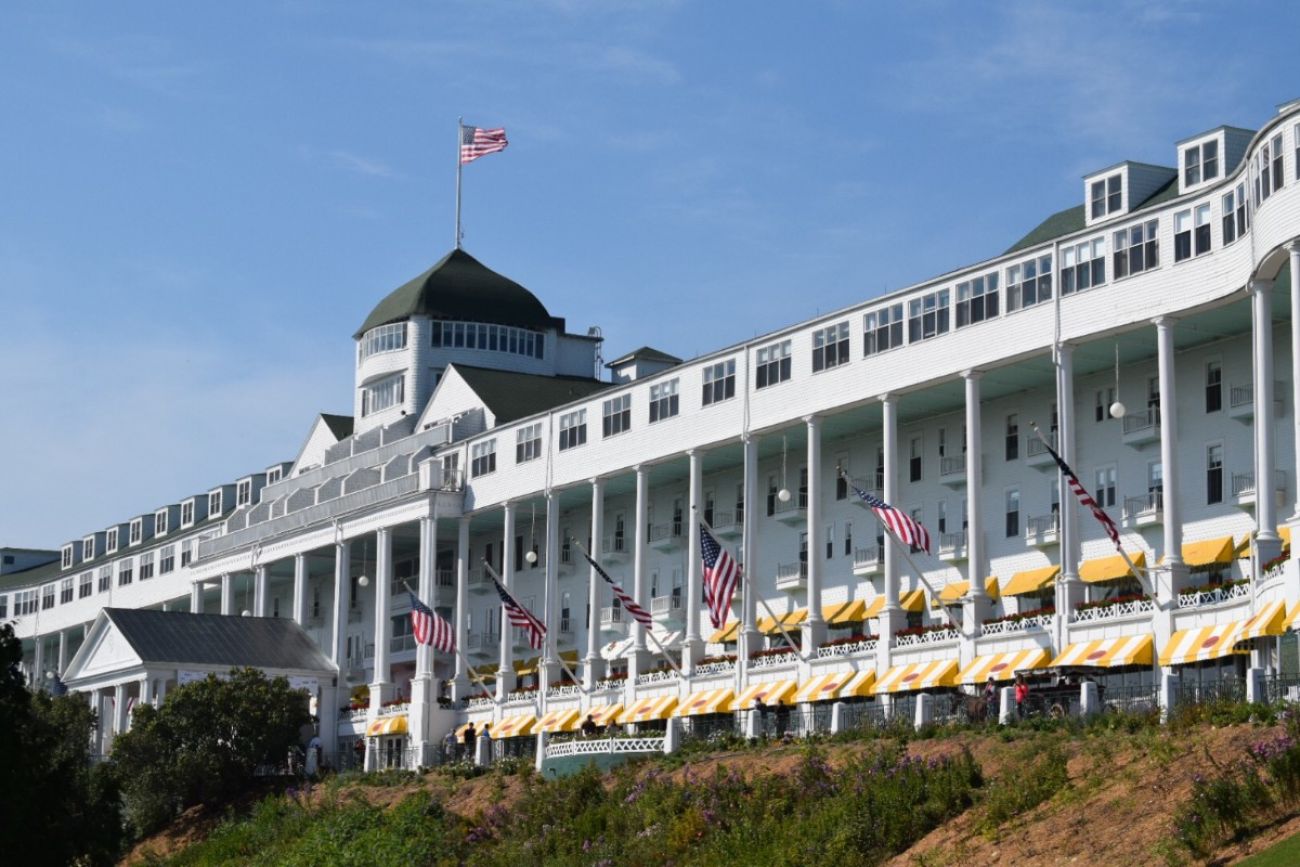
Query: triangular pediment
point(104, 653)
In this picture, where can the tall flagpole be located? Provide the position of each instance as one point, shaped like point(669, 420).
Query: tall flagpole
point(460, 137)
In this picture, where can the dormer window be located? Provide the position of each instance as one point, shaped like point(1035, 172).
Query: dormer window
point(137, 531)
point(383, 395)
point(110, 541)
point(187, 513)
point(1107, 196)
point(214, 504)
point(88, 548)
point(243, 493)
point(67, 556)
point(1201, 163)
point(274, 475)
point(160, 522)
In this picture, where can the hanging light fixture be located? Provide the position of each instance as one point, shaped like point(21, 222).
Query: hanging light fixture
point(363, 580)
point(531, 556)
point(784, 494)
point(1117, 409)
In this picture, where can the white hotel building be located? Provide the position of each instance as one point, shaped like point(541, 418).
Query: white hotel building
point(481, 432)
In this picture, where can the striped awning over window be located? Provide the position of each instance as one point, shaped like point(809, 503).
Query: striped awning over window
point(919, 675)
point(1003, 666)
point(771, 692)
point(709, 701)
point(1108, 652)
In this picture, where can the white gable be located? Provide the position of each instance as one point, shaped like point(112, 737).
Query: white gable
point(312, 453)
point(105, 653)
point(452, 397)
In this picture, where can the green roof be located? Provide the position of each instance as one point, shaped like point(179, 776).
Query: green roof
point(646, 353)
point(339, 425)
point(513, 396)
point(459, 287)
point(1074, 219)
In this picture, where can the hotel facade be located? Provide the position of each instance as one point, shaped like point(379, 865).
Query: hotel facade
point(1147, 333)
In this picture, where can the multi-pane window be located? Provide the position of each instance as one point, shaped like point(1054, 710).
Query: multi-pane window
point(137, 531)
point(977, 299)
point(1156, 482)
point(67, 557)
point(1013, 437)
point(187, 552)
point(915, 458)
point(25, 603)
point(1107, 196)
point(146, 565)
point(105, 578)
point(941, 516)
point(1214, 474)
point(47, 596)
point(274, 475)
point(243, 493)
point(616, 415)
point(385, 338)
point(160, 522)
point(88, 548)
point(1201, 163)
point(214, 504)
point(848, 538)
point(1213, 386)
point(1029, 283)
point(166, 559)
point(927, 316)
point(1201, 229)
point(882, 329)
point(1105, 490)
point(719, 382)
point(1191, 232)
point(772, 364)
point(483, 458)
point(880, 468)
point(1234, 213)
point(187, 513)
point(830, 346)
point(110, 541)
point(528, 443)
point(1268, 169)
point(1013, 513)
point(740, 503)
point(65, 591)
point(125, 572)
point(1083, 266)
point(1136, 249)
point(1105, 397)
point(385, 394)
point(492, 338)
point(663, 400)
point(573, 429)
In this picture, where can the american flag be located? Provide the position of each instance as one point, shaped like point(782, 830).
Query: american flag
point(520, 616)
point(1086, 498)
point(721, 575)
point(639, 614)
point(429, 628)
point(908, 530)
point(476, 142)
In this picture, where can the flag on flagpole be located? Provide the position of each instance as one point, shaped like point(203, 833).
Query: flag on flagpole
point(904, 526)
point(429, 628)
point(476, 142)
point(1085, 498)
point(721, 576)
point(630, 605)
point(520, 616)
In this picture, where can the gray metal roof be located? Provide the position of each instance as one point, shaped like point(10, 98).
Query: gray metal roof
point(215, 639)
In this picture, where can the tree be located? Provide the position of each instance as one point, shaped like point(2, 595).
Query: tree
point(205, 743)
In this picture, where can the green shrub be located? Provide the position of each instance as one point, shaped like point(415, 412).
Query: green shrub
point(1035, 776)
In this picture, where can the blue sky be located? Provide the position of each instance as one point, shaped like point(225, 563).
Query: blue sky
point(202, 202)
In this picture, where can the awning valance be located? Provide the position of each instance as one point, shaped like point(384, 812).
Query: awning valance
point(1003, 666)
point(1108, 652)
point(387, 725)
point(772, 692)
point(709, 701)
point(874, 607)
point(646, 709)
point(514, 726)
point(912, 600)
point(1112, 568)
point(559, 721)
point(954, 591)
point(1269, 620)
point(824, 686)
point(1199, 645)
point(726, 633)
point(605, 714)
point(1208, 552)
point(845, 612)
point(919, 675)
point(1031, 581)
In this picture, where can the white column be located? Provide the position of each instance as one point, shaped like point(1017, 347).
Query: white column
point(1071, 589)
point(595, 668)
point(550, 668)
point(638, 654)
point(260, 600)
point(978, 610)
point(196, 597)
point(1293, 251)
point(422, 691)
point(749, 637)
point(300, 589)
point(146, 690)
point(38, 663)
point(1267, 541)
point(892, 616)
point(381, 683)
point(814, 628)
point(63, 653)
point(121, 720)
point(227, 594)
point(460, 686)
point(1171, 504)
point(693, 649)
point(342, 585)
point(505, 656)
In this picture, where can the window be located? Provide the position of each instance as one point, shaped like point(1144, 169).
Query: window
point(1153, 396)
point(917, 454)
point(616, 415)
point(274, 475)
point(65, 591)
point(830, 346)
point(187, 552)
point(882, 329)
point(47, 596)
point(1105, 397)
point(125, 572)
point(146, 566)
point(773, 364)
point(1013, 513)
point(384, 394)
point(105, 579)
point(110, 541)
point(1234, 213)
point(528, 444)
point(848, 538)
point(214, 504)
point(880, 468)
point(1136, 249)
point(88, 548)
point(67, 557)
point(385, 338)
point(187, 513)
point(492, 338)
point(4, 607)
point(1200, 163)
point(25, 603)
point(1191, 232)
point(137, 531)
point(941, 516)
point(772, 488)
point(1029, 283)
point(719, 382)
point(803, 487)
point(740, 503)
point(483, 458)
point(1083, 266)
point(244, 493)
point(160, 522)
point(1213, 386)
point(1214, 474)
point(830, 541)
point(1107, 196)
point(1105, 490)
point(573, 429)
point(1268, 169)
point(927, 316)
point(841, 477)
point(977, 299)
point(1155, 482)
point(1295, 138)
point(1201, 236)
point(663, 401)
point(1013, 437)
point(167, 560)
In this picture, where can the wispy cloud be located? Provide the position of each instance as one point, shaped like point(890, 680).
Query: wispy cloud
point(361, 165)
point(149, 63)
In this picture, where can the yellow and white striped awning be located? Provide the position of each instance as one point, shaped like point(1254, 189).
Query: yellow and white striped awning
point(919, 675)
point(954, 591)
point(605, 714)
point(726, 633)
point(874, 607)
point(912, 600)
point(1269, 620)
point(1031, 580)
point(772, 692)
point(862, 685)
point(646, 709)
point(514, 726)
point(1198, 645)
point(1003, 666)
point(1108, 652)
point(1208, 552)
point(845, 612)
point(1112, 568)
point(709, 701)
point(387, 725)
point(824, 686)
point(559, 721)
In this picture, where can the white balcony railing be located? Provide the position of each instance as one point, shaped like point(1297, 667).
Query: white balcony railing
point(395, 709)
point(591, 747)
point(666, 607)
point(790, 576)
point(1043, 529)
point(1132, 608)
point(1216, 596)
point(665, 536)
point(792, 510)
point(1145, 509)
point(614, 546)
point(612, 618)
point(655, 677)
point(952, 546)
point(709, 669)
point(726, 523)
point(867, 645)
point(1025, 624)
point(936, 636)
point(400, 643)
point(774, 659)
point(870, 559)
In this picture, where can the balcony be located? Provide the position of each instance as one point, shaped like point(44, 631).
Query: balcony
point(1043, 530)
point(666, 537)
point(1241, 401)
point(566, 628)
point(667, 609)
point(1037, 455)
point(613, 621)
point(1236, 591)
point(861, 503)
point(727, 525)
point(952, 472)
point(1112, 610)
point(1013, 624)
point(927, 636)
point(791, 576)
point(1142, 428)
point(481, 644)
point(401, 643)
point(792, 511)
point(519, 639)
point(952, 547)
point(868, 561)
point(479, 582)
point(445, 578)
point(354, 614)
point(614, 547)
point(1143, 511)
point(1243, 488)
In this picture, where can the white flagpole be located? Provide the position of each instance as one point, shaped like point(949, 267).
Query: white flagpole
point(563, 664)
point(482, 685)
point(460, 137)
